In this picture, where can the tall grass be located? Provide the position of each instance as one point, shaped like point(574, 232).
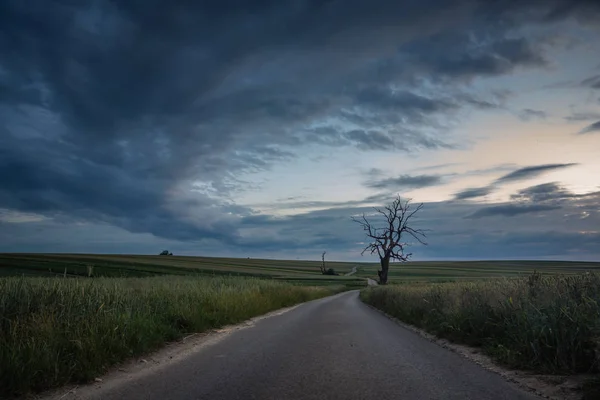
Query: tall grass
point(54, 331)
point(544, 323)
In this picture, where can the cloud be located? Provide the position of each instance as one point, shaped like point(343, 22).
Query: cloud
point(547, 192)
point(516, 175)
point(511, 210)
point(436, 166)
point(490, 170)
point(372, 140)
point(531, 172)
point(522, 245)
point(582, 116)
point(385, 98)
point(376, 180)
point(593, 82)
point(405, 182)
point(477, 59)
point(147, 119)
point(303, 205)
point(486, 232)
point(113, 199)
point(471, 193)
point(491, 235)
point(593, 128)
point(528, 114)
point(534, 199)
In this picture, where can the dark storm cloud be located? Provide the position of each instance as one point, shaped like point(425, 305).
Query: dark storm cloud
point(405, 182)
point(544, 193)
point(386, 99)
point(472, 193)
point(531, 172)
point(96, 193)
point(307, 235)
point(372, 140)
point(516, 175)
point(496, 58)
point(113, 111)
point(502, 245)
point(592, 82)
point(511, 210)
point(396, 139)
point(258, 158)
point(593, 128)
point(529, 114)
point(545, 197)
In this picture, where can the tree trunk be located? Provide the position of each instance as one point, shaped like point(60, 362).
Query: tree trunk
point(383, 272)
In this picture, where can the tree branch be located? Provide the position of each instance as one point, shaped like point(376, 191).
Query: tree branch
point(387, 242)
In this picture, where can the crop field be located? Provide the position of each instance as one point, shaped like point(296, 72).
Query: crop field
point(437, 271)
point(301, 272)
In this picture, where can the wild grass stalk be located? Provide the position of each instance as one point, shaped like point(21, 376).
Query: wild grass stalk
point(545, 323)
point(54, 331)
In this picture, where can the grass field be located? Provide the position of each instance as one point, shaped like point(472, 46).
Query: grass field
point(54, 331)
point(546, 323)
point(111, 307)
point(302, 272)
point(432, 271)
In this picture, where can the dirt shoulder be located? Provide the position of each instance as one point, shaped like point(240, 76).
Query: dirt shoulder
point(151, 363)
point(554, 387)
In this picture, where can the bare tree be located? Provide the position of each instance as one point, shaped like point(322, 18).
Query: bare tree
point(388, 241)
point(323, 263)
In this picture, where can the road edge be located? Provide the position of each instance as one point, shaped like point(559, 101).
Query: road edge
point(164, 357)
point(530, 382)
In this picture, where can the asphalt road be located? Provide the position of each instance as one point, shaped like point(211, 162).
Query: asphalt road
point(333, 348)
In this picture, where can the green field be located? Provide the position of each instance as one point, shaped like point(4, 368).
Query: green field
point(115, 315)
point(302, 272)
point(54, 331)
point(473, 270)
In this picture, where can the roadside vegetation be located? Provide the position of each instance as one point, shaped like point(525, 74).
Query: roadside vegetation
point(54, 331)
point(549, 324)
point(69, 317)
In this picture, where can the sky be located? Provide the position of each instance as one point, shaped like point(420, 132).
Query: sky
point(259, 128)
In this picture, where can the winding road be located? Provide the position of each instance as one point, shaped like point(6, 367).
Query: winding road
point(352, 272)
point(332, 348)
